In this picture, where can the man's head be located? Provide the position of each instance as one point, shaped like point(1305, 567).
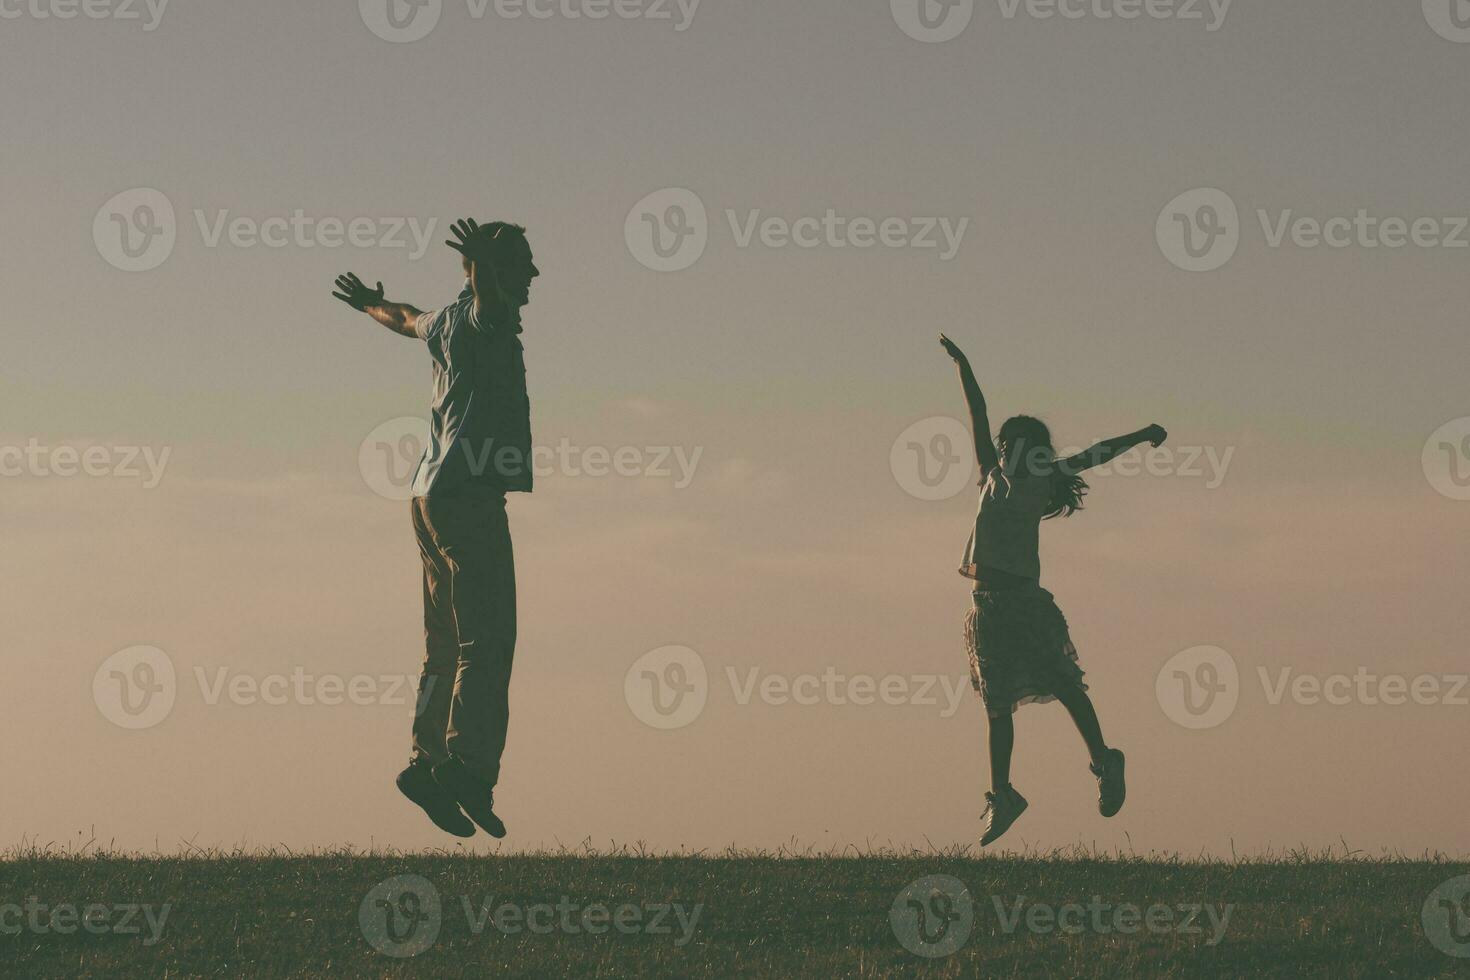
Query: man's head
point(510, 254)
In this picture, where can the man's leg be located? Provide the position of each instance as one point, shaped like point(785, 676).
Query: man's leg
point(436, 689)
point(478, 545)
point(441, 640)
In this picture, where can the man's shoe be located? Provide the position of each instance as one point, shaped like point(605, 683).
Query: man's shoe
point(1001, 810)
point(1111, 790)
point(473, 796)
point(417, 783)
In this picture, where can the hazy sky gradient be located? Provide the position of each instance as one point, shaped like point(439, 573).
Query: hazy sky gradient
point(794, 549)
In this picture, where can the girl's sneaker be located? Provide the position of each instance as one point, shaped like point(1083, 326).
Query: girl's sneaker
point(1001, 810)
point(1111, 789)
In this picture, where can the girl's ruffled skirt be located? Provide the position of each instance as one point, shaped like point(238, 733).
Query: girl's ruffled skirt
point(1020, 650)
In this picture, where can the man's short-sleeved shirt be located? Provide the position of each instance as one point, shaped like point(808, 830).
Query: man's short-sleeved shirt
point(480, 424)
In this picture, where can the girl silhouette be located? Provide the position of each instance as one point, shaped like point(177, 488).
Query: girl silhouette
point(1017, 639)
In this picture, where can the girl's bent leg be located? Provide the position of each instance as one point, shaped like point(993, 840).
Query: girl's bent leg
point(1002, 741)
point(1084, 716)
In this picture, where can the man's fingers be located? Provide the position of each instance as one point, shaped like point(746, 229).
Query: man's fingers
point(344, 298)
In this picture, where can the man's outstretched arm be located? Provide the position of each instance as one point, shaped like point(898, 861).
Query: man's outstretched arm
point(398, 317)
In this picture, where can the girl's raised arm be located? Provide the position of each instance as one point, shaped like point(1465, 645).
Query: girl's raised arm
point(979, 419)
point(1108, 449)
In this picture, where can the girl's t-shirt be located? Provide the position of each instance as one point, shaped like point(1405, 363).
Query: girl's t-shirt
point(1006, 535)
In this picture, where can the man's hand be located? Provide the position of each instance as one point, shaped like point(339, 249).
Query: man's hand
point(398, 317)
point(476, 244)
point(953, 350)
point(470, 240)
point(351, 291)
point(1155, 435)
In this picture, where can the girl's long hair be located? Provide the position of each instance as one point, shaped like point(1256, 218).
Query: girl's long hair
point(1028, 441)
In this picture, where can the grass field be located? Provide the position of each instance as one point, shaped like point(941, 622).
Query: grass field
point(570, 914)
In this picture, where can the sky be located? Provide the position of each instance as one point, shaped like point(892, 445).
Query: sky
point(1245, 222)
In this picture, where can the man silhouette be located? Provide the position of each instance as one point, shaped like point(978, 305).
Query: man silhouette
point(479, 449)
